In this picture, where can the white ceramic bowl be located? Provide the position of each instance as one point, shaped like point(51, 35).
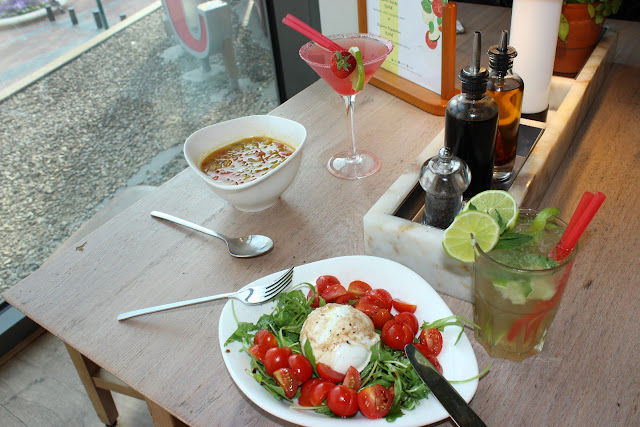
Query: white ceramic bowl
point(263, 192)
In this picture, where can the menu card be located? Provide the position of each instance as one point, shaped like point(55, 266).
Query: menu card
point(414, 27)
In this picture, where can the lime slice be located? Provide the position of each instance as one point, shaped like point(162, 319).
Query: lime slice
point(515, 291)
point(491, 201)
point(357, 77)
point(469, 225)
point(541, 219)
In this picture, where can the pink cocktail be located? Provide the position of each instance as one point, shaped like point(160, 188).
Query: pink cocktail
point(351, 164)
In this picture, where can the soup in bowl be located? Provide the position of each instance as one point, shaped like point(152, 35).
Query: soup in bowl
point(249, 161)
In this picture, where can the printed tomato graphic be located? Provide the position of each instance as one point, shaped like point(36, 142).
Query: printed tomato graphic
point(432, 44)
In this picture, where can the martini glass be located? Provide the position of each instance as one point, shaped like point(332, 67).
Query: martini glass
point(353, 163)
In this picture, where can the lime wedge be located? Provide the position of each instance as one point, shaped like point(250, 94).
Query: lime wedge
point(515, 291)
point(492, 201)
point(541, 219)
point(469, 225)
point(357, 77)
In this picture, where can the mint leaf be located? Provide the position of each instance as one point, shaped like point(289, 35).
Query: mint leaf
point(510, 240)
point(472, 207)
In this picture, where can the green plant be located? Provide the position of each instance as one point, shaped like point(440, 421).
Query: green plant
point(598, 10)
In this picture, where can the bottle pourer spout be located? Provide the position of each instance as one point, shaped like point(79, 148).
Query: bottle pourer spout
point(504, 41)
point(475, 54)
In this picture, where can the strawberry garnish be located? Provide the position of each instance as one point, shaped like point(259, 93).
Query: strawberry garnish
point(342, 64)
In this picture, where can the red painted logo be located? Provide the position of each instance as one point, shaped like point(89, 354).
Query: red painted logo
point(199, 46)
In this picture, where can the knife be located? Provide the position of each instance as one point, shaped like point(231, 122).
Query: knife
point(455, 405)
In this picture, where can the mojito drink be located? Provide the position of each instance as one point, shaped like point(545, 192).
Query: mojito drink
point(517, 288)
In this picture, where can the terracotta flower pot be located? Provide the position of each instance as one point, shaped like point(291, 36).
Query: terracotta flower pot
point(582, 39)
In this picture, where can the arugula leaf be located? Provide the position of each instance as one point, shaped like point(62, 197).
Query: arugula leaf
point(242, 333)
point(308, 353)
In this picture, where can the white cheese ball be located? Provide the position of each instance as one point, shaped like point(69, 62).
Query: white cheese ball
point(340, 336)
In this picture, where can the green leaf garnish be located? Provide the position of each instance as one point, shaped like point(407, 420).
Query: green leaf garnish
point(510, 240)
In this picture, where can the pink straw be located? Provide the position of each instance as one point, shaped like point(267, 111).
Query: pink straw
point(311, 33)
point(586, 210)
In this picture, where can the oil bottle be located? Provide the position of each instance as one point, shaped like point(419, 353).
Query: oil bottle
point(471, 123)
point(506, 88)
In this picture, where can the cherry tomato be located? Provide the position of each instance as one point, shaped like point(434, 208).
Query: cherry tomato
point(326, 373)
point(285, 379)
point(333, 292)
point(352, 379)
point(343, 401)
point(396, 335)
point(301, 367)
point(265, 338)
point(374, 401)
point(358, 289)
point(258, 351)
point(314, 391)
point(402, 306)
point(435, 363)
point(381, 317)
point(316, 298)
point(276, 358)
point(344, 299)
point(367, 307)
point(323, 282)
point(408, 319)
point(381, 297)
point(432, 338)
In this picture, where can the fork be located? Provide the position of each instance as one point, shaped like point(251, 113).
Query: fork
point(251, 295)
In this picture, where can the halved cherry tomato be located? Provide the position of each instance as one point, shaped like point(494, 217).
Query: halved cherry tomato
point(276, 358)
point(333, 292)
point(396, 335)
point(258, 351)
point(381, 298)
point(344, 299)
point(352, 379)
point(316, 298)
point(358, 289)
point(285, 379)
point(367, 307)
point(374, 401)
point(435, 363)
point(265, 338)
point(301, 367)
point(314, 391)
point(408, 319)
point(326, 373)
point(426, 352)
point(381, 317)
point(343, 401)
point(432, 338)
point(323, 282)
point(402, 306)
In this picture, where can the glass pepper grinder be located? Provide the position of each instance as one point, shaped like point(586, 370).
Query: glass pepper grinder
point(444, 179)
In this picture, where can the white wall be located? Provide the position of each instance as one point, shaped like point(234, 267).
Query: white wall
point(338, 16)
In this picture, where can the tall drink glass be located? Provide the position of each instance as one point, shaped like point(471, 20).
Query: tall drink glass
point(353, 163)
point(516, 295)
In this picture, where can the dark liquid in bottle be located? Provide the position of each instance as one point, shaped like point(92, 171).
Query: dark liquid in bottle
point(475, 143)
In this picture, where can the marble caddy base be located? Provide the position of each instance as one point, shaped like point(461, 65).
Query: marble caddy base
point(392, 226)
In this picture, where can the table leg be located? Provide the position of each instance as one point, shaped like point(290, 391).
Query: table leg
point(161, 418)
point(101, 399)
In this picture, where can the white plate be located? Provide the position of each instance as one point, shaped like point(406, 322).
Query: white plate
point(458, 362)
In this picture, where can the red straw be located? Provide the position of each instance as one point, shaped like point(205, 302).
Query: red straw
point(311, 33)
point(587, 208)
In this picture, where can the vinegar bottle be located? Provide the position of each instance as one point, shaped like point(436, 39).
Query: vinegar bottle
point(471, 124)
point(506, 88)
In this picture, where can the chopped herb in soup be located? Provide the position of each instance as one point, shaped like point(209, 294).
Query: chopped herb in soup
point(245, 160)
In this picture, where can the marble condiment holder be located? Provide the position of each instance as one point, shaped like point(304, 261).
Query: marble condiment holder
point(419, 247)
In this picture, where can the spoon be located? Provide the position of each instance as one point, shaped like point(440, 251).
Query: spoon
point(240, 247)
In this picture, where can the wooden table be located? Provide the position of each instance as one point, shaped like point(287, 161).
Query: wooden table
point(587, 374)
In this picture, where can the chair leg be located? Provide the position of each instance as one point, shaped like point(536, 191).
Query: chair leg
point(161, 418)
point(101, 399)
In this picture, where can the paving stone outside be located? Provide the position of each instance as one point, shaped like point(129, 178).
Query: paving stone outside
point(72, 140)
